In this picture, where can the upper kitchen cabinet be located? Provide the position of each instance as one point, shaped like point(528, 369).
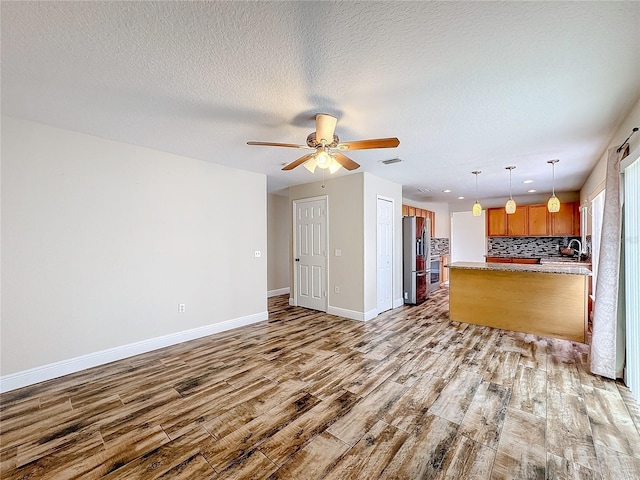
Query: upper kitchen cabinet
point(534, 221)
point(496, 222)
point(428, 215)
point(538, 220)
point(566, 221)
point(517, 223)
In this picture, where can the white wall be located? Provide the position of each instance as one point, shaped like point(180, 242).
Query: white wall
point(374, 186)
point(595, 182)
point(346, 233)
point(102, 240)
point(468, 237)
point(278, 234)
point(352, 225)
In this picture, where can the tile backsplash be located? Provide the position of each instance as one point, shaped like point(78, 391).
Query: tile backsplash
point(439, 246)
point(526, 246)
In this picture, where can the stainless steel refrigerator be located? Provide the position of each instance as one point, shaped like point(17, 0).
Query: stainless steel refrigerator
point(416, 240)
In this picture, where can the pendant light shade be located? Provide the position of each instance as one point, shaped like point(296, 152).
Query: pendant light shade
point(553, 205)
point(477, 208)
point(510, 206)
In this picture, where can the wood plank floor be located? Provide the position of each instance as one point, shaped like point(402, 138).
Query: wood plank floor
point(307, 395)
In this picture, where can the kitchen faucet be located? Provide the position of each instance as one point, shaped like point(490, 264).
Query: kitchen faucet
point(579, 245)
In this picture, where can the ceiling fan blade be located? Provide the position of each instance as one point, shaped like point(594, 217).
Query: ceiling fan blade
point(325, 127)
point(272, 144)
point(300, 161)
point(373, 143)
point(345, 161)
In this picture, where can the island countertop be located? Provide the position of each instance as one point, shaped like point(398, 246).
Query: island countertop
point(570, 269)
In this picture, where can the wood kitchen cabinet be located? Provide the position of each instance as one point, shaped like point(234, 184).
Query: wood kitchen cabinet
point(444, 272)
point(538, 220)
point(498, 259)
point(563, 222)
point(517, 225)
point(496, 222)
point(534, 221)
point(409, 211)
point(431, 218)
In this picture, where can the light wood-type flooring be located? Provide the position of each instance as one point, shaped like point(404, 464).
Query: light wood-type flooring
point(305, 395)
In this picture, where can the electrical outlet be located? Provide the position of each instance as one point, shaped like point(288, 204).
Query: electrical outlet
point(182, 308)
point(257, 254)
point(336, 289)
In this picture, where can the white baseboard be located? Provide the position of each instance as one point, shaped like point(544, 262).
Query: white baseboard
point(278, 291)
point(370, 315)
point(352, 314)
point(72, 365)
point(398, 302)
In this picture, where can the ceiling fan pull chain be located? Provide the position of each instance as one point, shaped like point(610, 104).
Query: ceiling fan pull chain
point(323, 178)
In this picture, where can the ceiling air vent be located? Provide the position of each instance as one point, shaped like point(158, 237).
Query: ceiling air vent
point(424, 190)
point(392, 160)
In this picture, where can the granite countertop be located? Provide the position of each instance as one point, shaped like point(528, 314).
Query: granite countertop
point(569, 269)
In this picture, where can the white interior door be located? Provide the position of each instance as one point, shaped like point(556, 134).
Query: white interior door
point(310, 253)
point(385, 255)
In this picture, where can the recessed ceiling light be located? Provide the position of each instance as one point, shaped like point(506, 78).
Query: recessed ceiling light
point(527, 181)
point(446, 190)
point(460, 198)
point(532, 190)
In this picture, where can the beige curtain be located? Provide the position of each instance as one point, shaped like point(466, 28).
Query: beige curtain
point(607, 354)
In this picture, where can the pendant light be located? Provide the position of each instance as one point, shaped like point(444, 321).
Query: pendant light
point(510, 206)
point(553, 205)
point(477, 208)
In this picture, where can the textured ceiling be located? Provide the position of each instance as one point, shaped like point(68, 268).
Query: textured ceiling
point(464, 85)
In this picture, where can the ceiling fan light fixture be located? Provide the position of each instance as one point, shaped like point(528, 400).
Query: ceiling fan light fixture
point(553, 205)
point(323, 159)
point(310, 164)
point(334, 166)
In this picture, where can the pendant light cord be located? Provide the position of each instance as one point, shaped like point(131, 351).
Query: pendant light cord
point(510, 196)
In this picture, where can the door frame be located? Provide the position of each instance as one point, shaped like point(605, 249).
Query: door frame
point(293, 299)
point(393, 248)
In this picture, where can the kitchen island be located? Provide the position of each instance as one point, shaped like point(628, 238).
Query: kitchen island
point(547, 300)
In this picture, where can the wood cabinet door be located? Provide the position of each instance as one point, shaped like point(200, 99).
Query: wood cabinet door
point(432, 220)
point(562, 221)
point(405, 210)
point(576, 219)
point(412, 211)
point(496, 222)
point(517, 223)
point(538, 221)
point(528, 261)
point(444, 272)
point(498, 259)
